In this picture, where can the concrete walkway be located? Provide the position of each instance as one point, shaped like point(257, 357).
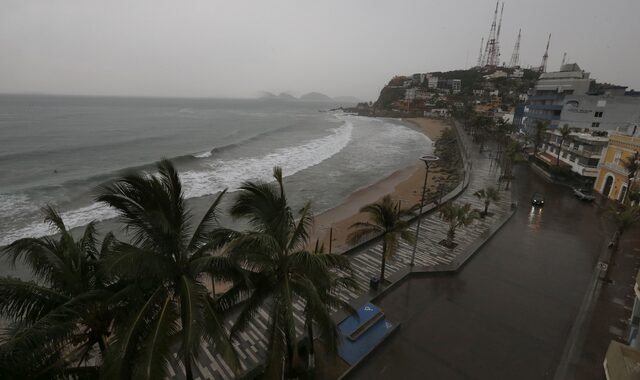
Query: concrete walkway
point(482, 173)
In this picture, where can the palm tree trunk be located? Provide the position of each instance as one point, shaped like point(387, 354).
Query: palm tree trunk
point(187, 368)
point(312, 352)
point(101, 344)
point(384, 259)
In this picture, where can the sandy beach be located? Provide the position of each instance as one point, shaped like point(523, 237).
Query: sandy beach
point(404, 185)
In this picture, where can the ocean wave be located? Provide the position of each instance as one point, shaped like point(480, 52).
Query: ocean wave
point(222, 174)
point(73, 218)
point(203, 154)
point(232, 173)
point(15, 204)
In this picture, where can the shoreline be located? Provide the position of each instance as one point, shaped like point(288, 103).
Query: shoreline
point(404, 185)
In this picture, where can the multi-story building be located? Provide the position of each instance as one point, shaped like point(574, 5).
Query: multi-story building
point(580, 151)
point(432, 82)
point(410, 94)
point(613, 178)
point(456, 86)
point(547, 99)
point(611, 110)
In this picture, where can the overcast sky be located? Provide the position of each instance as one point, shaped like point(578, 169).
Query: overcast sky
point(238, 48)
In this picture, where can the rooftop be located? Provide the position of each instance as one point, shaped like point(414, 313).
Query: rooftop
point(622, 362)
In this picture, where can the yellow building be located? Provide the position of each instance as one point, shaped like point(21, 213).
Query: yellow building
point(612, 176)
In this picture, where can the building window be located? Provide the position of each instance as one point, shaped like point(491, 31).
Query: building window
point(595, 125)
point(599, 114)
point(616, 158)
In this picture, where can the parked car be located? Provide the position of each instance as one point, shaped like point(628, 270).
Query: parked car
point(583, 194)
point(537, 199)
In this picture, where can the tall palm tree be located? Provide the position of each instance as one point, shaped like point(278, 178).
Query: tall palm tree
point(280, 270)
point(59, 323)
point(388, 220)
point(327, 284)
point(488, 195)
point(165, 263)
point(631, 165)
point(457, 216)
point(539, 129)
point(511, 155)
point(565, 131)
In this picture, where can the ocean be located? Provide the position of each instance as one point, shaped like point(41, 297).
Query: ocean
point(58, 149)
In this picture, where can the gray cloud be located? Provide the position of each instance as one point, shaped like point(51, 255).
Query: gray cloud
point(237, 48)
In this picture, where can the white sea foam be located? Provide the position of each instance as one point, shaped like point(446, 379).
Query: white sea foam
point(223, 174)
point(14, 204)
point(72, 219)
point(203, 154)
point(232, 173)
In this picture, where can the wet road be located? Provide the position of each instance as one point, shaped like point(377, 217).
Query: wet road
point(508, 313)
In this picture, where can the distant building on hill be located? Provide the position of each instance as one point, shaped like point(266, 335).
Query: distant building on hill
point(432, 82)
point(456, 86)
point(547, 100)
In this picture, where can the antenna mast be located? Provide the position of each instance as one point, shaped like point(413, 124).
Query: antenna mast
point(480, 53)
point(515, 57)
point(497, 53)
point(490, 50)
point(545, 57)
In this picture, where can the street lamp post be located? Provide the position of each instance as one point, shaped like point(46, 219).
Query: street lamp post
point(426, 159)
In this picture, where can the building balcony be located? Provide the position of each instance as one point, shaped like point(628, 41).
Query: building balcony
point(589, 171)
point(621, 362)
point(614, 168)
point(545, 97)
point(545, 107)
point(541, 116)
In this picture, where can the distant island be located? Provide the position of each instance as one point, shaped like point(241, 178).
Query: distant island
point(309, 97)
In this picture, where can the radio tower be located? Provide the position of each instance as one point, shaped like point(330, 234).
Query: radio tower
point(497, 48)
point(480, 53)
point(545, 57)
point(490, 50)
point(515, 57)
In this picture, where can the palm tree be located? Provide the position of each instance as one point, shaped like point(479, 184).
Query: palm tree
point(511, 155)
point(60, 322)
point(165, 263)
point(631, 165)
point(488, 195)
point(457, 216)
point(280, 270)
point(565, 131)
point(539, 129)
point(327, 284)
point(388, 220)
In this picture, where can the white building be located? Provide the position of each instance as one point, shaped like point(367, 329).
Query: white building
point(456, 86)
point(410, 94)
point(432, 82)
point(611, 111)
point(580, 151)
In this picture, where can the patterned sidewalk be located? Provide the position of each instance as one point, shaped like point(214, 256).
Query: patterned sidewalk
point(251, 345)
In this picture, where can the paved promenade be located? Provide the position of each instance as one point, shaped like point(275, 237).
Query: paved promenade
point(366, 263)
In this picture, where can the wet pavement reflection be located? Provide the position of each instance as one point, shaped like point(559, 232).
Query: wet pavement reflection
point(507, 314)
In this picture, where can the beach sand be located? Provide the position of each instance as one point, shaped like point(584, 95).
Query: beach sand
point(404, 185)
